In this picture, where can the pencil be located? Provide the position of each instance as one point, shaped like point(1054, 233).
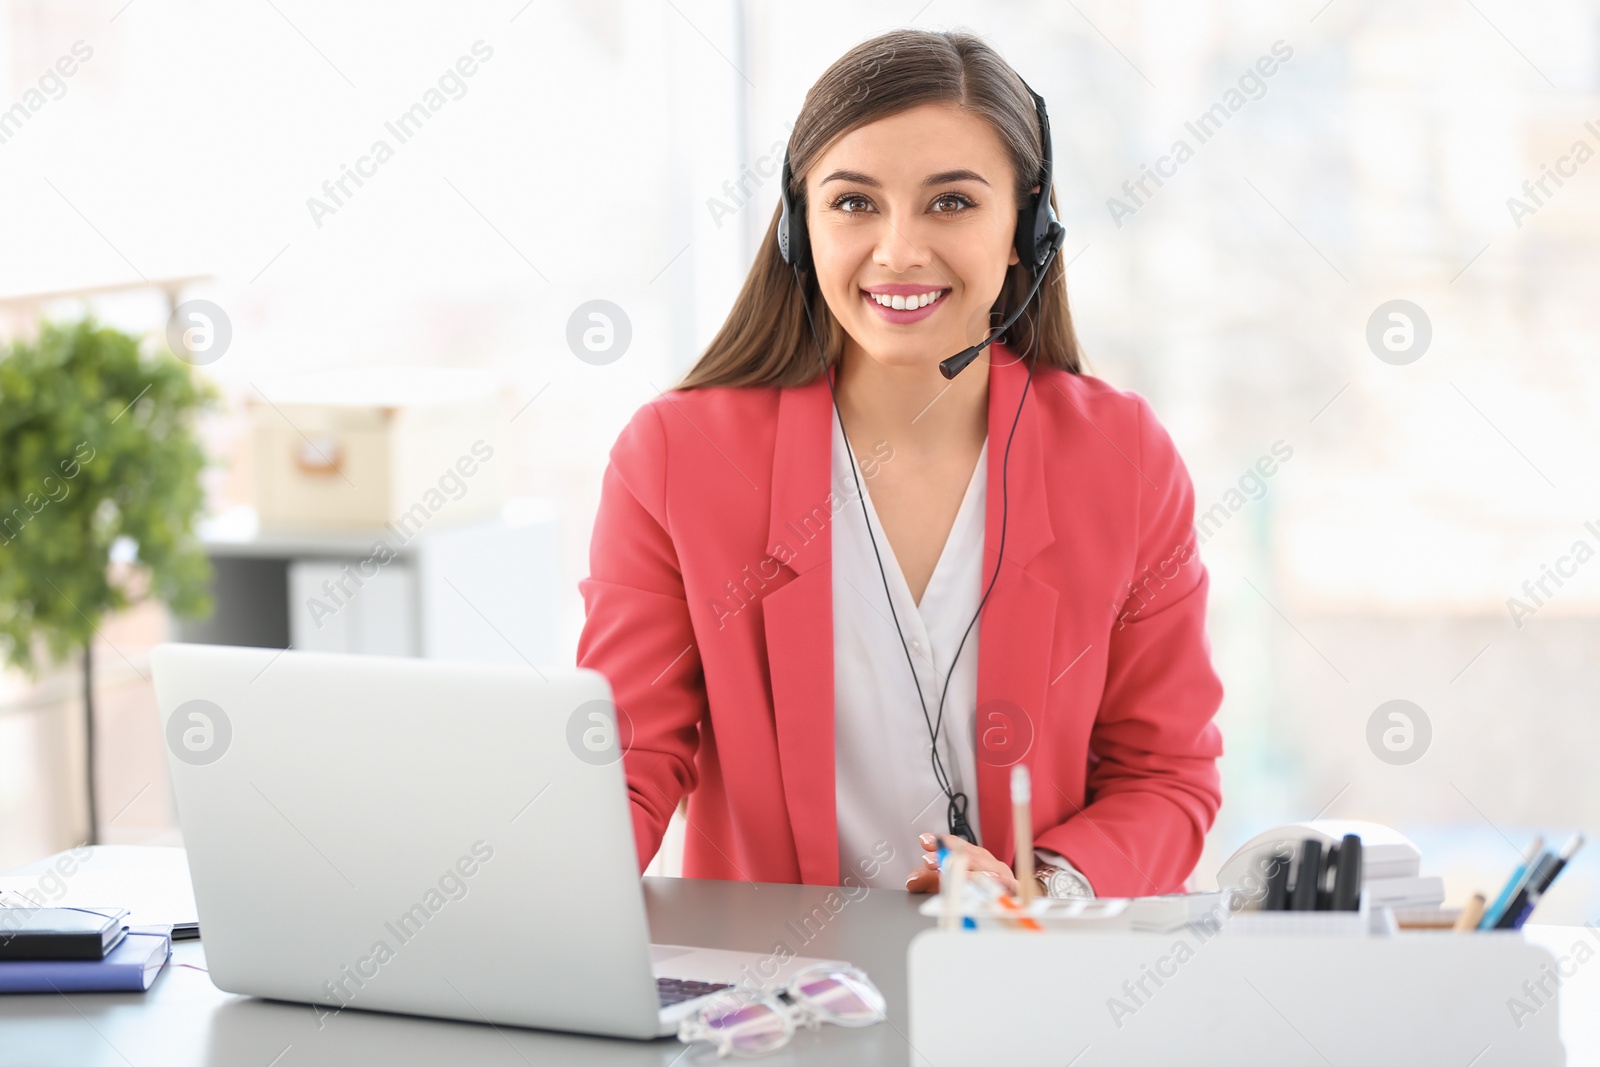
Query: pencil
point(1022, 822)
point(1471, 915)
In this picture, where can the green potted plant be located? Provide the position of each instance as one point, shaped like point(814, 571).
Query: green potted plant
point(97, 444)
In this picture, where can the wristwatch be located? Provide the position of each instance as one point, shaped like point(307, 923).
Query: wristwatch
point(1059, 883)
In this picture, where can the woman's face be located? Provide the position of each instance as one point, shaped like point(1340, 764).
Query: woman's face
point(918, 205)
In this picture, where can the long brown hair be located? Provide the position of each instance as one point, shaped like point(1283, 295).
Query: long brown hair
point(765, 340)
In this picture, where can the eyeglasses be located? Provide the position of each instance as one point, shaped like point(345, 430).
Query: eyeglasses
point(748, 1022)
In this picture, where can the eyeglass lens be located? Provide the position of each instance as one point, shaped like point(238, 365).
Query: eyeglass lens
point(839, 997)
point(747, 1028)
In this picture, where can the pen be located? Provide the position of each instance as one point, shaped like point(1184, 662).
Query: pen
point(1515, 916)
point(1536, 873)
point(1492, 914)
point(1022, 823)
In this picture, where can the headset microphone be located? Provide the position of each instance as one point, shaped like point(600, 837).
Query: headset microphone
point(1039, 237)
point(958, 362)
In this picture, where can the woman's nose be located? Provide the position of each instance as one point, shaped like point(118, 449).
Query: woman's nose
point(900, 248)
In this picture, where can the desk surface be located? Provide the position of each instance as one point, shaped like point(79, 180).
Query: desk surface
point(184, 1019)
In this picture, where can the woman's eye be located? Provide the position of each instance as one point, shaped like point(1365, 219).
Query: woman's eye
point(954, 202)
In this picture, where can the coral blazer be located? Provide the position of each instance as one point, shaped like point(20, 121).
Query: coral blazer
point(709, 610)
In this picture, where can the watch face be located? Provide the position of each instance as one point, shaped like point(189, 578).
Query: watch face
point(1066, 884)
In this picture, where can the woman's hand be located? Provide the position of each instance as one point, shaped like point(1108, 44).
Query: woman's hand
point(980, 864)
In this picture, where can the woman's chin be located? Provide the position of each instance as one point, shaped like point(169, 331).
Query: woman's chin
point(905, 353)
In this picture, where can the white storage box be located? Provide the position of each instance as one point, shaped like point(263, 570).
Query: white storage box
point(362, 448)
point(1203, 1000)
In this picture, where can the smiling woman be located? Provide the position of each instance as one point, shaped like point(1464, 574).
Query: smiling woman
point(875, 137)
point(855, 698)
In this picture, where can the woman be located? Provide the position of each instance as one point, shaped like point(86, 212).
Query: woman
point(839, 678)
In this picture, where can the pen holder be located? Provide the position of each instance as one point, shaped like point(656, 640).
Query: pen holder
point(1365, 921)
point(1082, 914)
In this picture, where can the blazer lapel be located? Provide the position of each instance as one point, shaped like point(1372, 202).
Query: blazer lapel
point(1017, 628)
point(799, 625)
point(1015, 633)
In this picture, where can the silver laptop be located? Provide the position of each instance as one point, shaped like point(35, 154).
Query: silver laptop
point(405, 835)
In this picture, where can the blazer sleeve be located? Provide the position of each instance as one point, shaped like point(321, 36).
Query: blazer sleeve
point(637, 631)
point(1152, 788)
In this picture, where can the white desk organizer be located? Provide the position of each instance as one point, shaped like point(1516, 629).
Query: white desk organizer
point(1224, 998)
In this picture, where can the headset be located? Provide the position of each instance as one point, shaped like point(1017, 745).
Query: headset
point(1038, 240)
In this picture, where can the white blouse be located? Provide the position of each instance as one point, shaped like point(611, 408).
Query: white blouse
point(885, 790)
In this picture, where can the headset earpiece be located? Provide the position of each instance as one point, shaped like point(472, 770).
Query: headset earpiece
point(1038, 231)
point(794, 244)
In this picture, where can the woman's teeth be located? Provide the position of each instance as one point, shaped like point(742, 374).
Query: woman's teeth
point(908, 303)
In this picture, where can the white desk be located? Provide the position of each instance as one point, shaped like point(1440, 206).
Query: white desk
point(185, 1020)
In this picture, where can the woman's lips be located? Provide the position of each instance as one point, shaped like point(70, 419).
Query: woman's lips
point(907, 316)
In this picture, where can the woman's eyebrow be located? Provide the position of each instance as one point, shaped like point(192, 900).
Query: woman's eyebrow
point(942, 178)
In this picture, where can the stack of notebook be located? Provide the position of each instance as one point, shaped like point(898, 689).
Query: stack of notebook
point(44, 950)
point(1392, 877)
point(1391, 864)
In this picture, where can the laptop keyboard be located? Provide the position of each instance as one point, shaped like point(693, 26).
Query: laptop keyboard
point(677, 990)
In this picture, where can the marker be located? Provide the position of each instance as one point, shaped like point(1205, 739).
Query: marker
point(1308, 876)
point(1278, 883)
point(1492, 914)
point(1347, 875)
point(1022, 830)
point(1515, 916)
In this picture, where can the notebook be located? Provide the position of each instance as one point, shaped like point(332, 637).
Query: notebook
point(129, 967)
point(58, 933)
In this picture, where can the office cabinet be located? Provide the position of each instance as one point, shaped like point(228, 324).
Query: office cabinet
point(484, 590)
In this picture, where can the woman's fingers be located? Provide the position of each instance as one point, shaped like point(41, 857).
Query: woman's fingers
point(980, 864)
